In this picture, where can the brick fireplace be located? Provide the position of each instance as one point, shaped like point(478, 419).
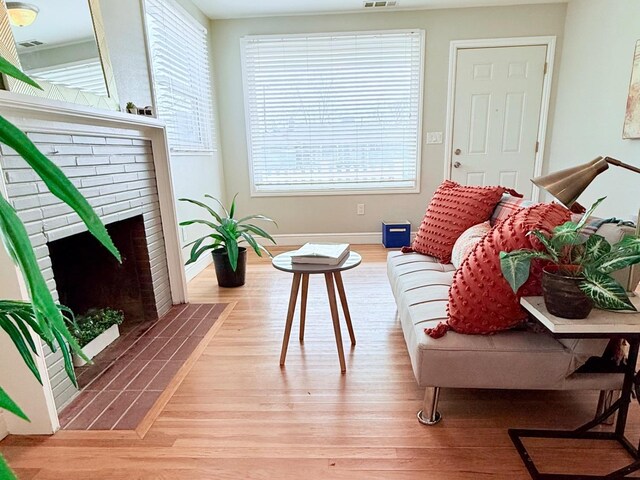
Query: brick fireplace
point(115, 171)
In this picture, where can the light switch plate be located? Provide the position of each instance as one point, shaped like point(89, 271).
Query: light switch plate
point(434, 137)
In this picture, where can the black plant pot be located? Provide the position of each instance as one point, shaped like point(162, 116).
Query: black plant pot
point(562, 295)
point(224, 273)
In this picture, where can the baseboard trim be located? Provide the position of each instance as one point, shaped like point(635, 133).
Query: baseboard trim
point(351, 238)
point(198, 266)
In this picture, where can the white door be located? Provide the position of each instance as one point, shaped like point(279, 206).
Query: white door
point(497, 100)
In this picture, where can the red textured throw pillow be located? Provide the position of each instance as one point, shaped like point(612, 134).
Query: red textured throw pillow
point(480, 299)
point(452, 210)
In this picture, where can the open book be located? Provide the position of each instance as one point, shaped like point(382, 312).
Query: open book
point(321, 253)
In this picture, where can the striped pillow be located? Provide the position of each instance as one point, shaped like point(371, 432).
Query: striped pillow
point(507, 206)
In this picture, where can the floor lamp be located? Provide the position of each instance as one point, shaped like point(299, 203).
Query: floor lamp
point(568, 184)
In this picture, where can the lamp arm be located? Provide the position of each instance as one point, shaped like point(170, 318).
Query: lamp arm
point(618, 163)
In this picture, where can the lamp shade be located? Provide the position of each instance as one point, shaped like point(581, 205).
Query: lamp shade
point(21, 14)
point(567, 185)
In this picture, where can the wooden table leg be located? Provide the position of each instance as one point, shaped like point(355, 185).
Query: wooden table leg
point(345, 307)
point(303, 304)
point(336, 320)
point(292, 307)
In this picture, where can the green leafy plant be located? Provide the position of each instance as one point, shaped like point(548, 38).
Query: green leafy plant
point(227, 232)
point(42, 315)
point(89, 326)
point(591, 258)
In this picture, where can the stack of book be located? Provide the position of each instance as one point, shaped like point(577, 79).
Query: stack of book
point(330, 254)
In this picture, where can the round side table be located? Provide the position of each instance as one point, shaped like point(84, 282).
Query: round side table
point(332, 276)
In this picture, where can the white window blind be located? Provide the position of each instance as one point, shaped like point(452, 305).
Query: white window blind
point(180, 64)
point(333, 112)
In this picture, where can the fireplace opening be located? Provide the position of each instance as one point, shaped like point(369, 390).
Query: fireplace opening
point(87, 276)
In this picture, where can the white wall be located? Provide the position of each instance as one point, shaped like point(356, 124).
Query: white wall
point(3, 426)
point(600, 37)
point(322, 214)
point(193, 174)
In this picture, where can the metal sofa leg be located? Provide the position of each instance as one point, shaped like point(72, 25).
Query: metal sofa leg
point(606, 399)
point(429, 414)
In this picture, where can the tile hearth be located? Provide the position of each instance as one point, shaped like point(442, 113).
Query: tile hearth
point(125, 381)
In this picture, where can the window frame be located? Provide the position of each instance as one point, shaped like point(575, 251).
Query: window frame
point(332, 192)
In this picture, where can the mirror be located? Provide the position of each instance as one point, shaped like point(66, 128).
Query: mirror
point(60, 43)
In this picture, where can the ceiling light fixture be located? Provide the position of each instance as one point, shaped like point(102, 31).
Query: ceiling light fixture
point(21, 14)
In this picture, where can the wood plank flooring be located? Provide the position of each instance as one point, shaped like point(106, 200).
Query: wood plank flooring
point(238, 415)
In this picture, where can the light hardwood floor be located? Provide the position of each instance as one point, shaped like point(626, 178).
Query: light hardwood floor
point(238, 415)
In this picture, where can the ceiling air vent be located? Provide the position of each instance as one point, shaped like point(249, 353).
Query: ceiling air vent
point(381, 4)
point(30, 43)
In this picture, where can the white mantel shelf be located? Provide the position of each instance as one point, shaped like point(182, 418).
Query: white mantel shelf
point(598, 321)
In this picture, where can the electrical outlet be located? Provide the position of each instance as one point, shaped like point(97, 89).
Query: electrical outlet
point(434, 137)
point(360, 209)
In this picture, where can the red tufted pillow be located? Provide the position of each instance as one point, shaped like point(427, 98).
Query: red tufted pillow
point(452, 210)
point(480, 299)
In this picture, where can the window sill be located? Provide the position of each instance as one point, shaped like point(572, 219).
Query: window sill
point(325, 192)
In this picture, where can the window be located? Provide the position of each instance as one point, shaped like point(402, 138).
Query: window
point(333, 113)
point(180, 66)
point(84, 75)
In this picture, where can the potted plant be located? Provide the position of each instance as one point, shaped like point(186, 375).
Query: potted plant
point(577, 275)
point(131, 108)
point(229, 258)
point(95, 331)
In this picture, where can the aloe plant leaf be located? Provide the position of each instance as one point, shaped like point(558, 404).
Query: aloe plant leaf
point(232, 251)
point(516, 265)
point(256, 217)
point(211, 211)
point(257, 230)
point(11, 70)
point(588, 213)
point(596, 248)
point(196, 254)
point(224, 209)
point(5, 471)
point(605, 292)
point(546, 243)
point(6, 403)
point(232, 210)
point(255, 245)
point(57, 183)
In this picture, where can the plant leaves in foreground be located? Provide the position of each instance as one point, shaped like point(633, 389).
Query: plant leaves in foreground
point(605, 292)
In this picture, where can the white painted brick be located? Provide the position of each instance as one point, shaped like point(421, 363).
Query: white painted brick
point(120, 150)
point(42, 187)
point(57, 222)
point(144, 159)
point(41, 252)
point(44, 262)
point(64, 161)
point(47, 273)
point(33, 228)
point(92, 160)
point(114, 188)
point(48, 199)
point(96, 181)
point(67, 231)
point(140, 184)
point(56, 210)
point(136, 202)
point(110, 169)
point(51, 284)
point(124, 177)
point(20, 176)
point(25, 203)
point(136, 167)
point(72, 149)
point(90, 192)
point(140, 141)
point(21, 189)
point(128, 195)
point(38, 240)
point(134, 212)
point(30, 215)
point(5, 150)
point(115, 208)
point(73, 172)
point(48, 137)
point(14, 162)
point(102, 200)
point(119, 141)
point(83, 139)
point(146, 175)
point(120, 159)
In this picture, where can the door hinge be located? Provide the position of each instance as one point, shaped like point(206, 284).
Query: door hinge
point(546, 66)
point(537, 146)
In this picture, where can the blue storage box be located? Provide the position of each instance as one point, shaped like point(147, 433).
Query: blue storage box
point(396, 234)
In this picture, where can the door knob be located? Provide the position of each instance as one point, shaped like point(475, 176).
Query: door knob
point(457, 151)
point(457, 165)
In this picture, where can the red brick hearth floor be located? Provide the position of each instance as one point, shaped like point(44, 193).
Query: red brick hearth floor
point(127, 378)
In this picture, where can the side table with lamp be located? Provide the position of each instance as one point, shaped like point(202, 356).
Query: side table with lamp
point(566, 186)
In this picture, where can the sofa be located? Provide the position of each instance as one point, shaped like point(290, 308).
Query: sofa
point(521, 358)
